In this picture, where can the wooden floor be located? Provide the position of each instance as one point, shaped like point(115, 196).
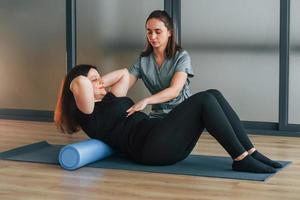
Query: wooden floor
point(20, 180)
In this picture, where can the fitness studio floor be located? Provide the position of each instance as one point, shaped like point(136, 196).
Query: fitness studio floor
point(19, 180)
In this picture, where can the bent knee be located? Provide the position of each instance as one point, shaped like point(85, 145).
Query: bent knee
point(205, 97)
point(214, 91)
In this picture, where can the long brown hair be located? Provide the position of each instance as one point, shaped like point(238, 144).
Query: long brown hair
point(172, 46)
point(65, 111)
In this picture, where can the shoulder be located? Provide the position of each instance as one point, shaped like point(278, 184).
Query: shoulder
point(182, 54)
point(143, 62)
point(142, 59)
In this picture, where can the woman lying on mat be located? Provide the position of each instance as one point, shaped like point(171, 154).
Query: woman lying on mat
point(84, 103)
point(164, 67)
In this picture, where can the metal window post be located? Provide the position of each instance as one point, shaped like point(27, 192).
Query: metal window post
point(71, 33)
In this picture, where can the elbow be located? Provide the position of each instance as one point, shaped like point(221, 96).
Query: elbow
point(175, 93)
point(125, 73)
point(89, 110)
point(86, 110)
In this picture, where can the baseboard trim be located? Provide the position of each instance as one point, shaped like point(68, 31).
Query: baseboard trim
point(252, 127)
point(27, 115)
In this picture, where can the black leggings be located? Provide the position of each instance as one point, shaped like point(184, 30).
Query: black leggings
point(175, 136)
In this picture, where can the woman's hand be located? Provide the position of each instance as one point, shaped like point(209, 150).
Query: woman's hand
point(141, 105)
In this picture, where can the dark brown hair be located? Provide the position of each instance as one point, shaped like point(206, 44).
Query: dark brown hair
point(65, 111)
point(172, 46)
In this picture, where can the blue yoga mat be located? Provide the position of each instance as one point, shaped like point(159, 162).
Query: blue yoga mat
point(194, 165)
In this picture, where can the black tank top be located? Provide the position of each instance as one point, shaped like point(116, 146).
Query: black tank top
point(109, 123)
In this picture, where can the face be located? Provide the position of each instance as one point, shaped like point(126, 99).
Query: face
point(96, 80)
point(157, 33)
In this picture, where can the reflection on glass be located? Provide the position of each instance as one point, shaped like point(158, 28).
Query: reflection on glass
point(32, 53)
point(294, 82)
point(234, 46)
point(111, 34)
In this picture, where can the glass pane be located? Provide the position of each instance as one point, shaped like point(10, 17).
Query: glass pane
point(294, 90)
point(32, 53)
point(111, 34)
point(234, 46)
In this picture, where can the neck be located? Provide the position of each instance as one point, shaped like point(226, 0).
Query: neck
point(99, 97)
point(159, 53)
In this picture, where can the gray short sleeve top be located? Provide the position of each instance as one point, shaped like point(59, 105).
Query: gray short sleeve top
point(157, 79)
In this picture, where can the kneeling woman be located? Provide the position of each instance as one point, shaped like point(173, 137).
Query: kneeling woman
point(85, 104)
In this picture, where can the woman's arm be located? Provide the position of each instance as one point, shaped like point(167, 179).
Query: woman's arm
point(132, 80)
point(83, 92)
point(167, 94)
point(170, 92)
point(118, 81)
